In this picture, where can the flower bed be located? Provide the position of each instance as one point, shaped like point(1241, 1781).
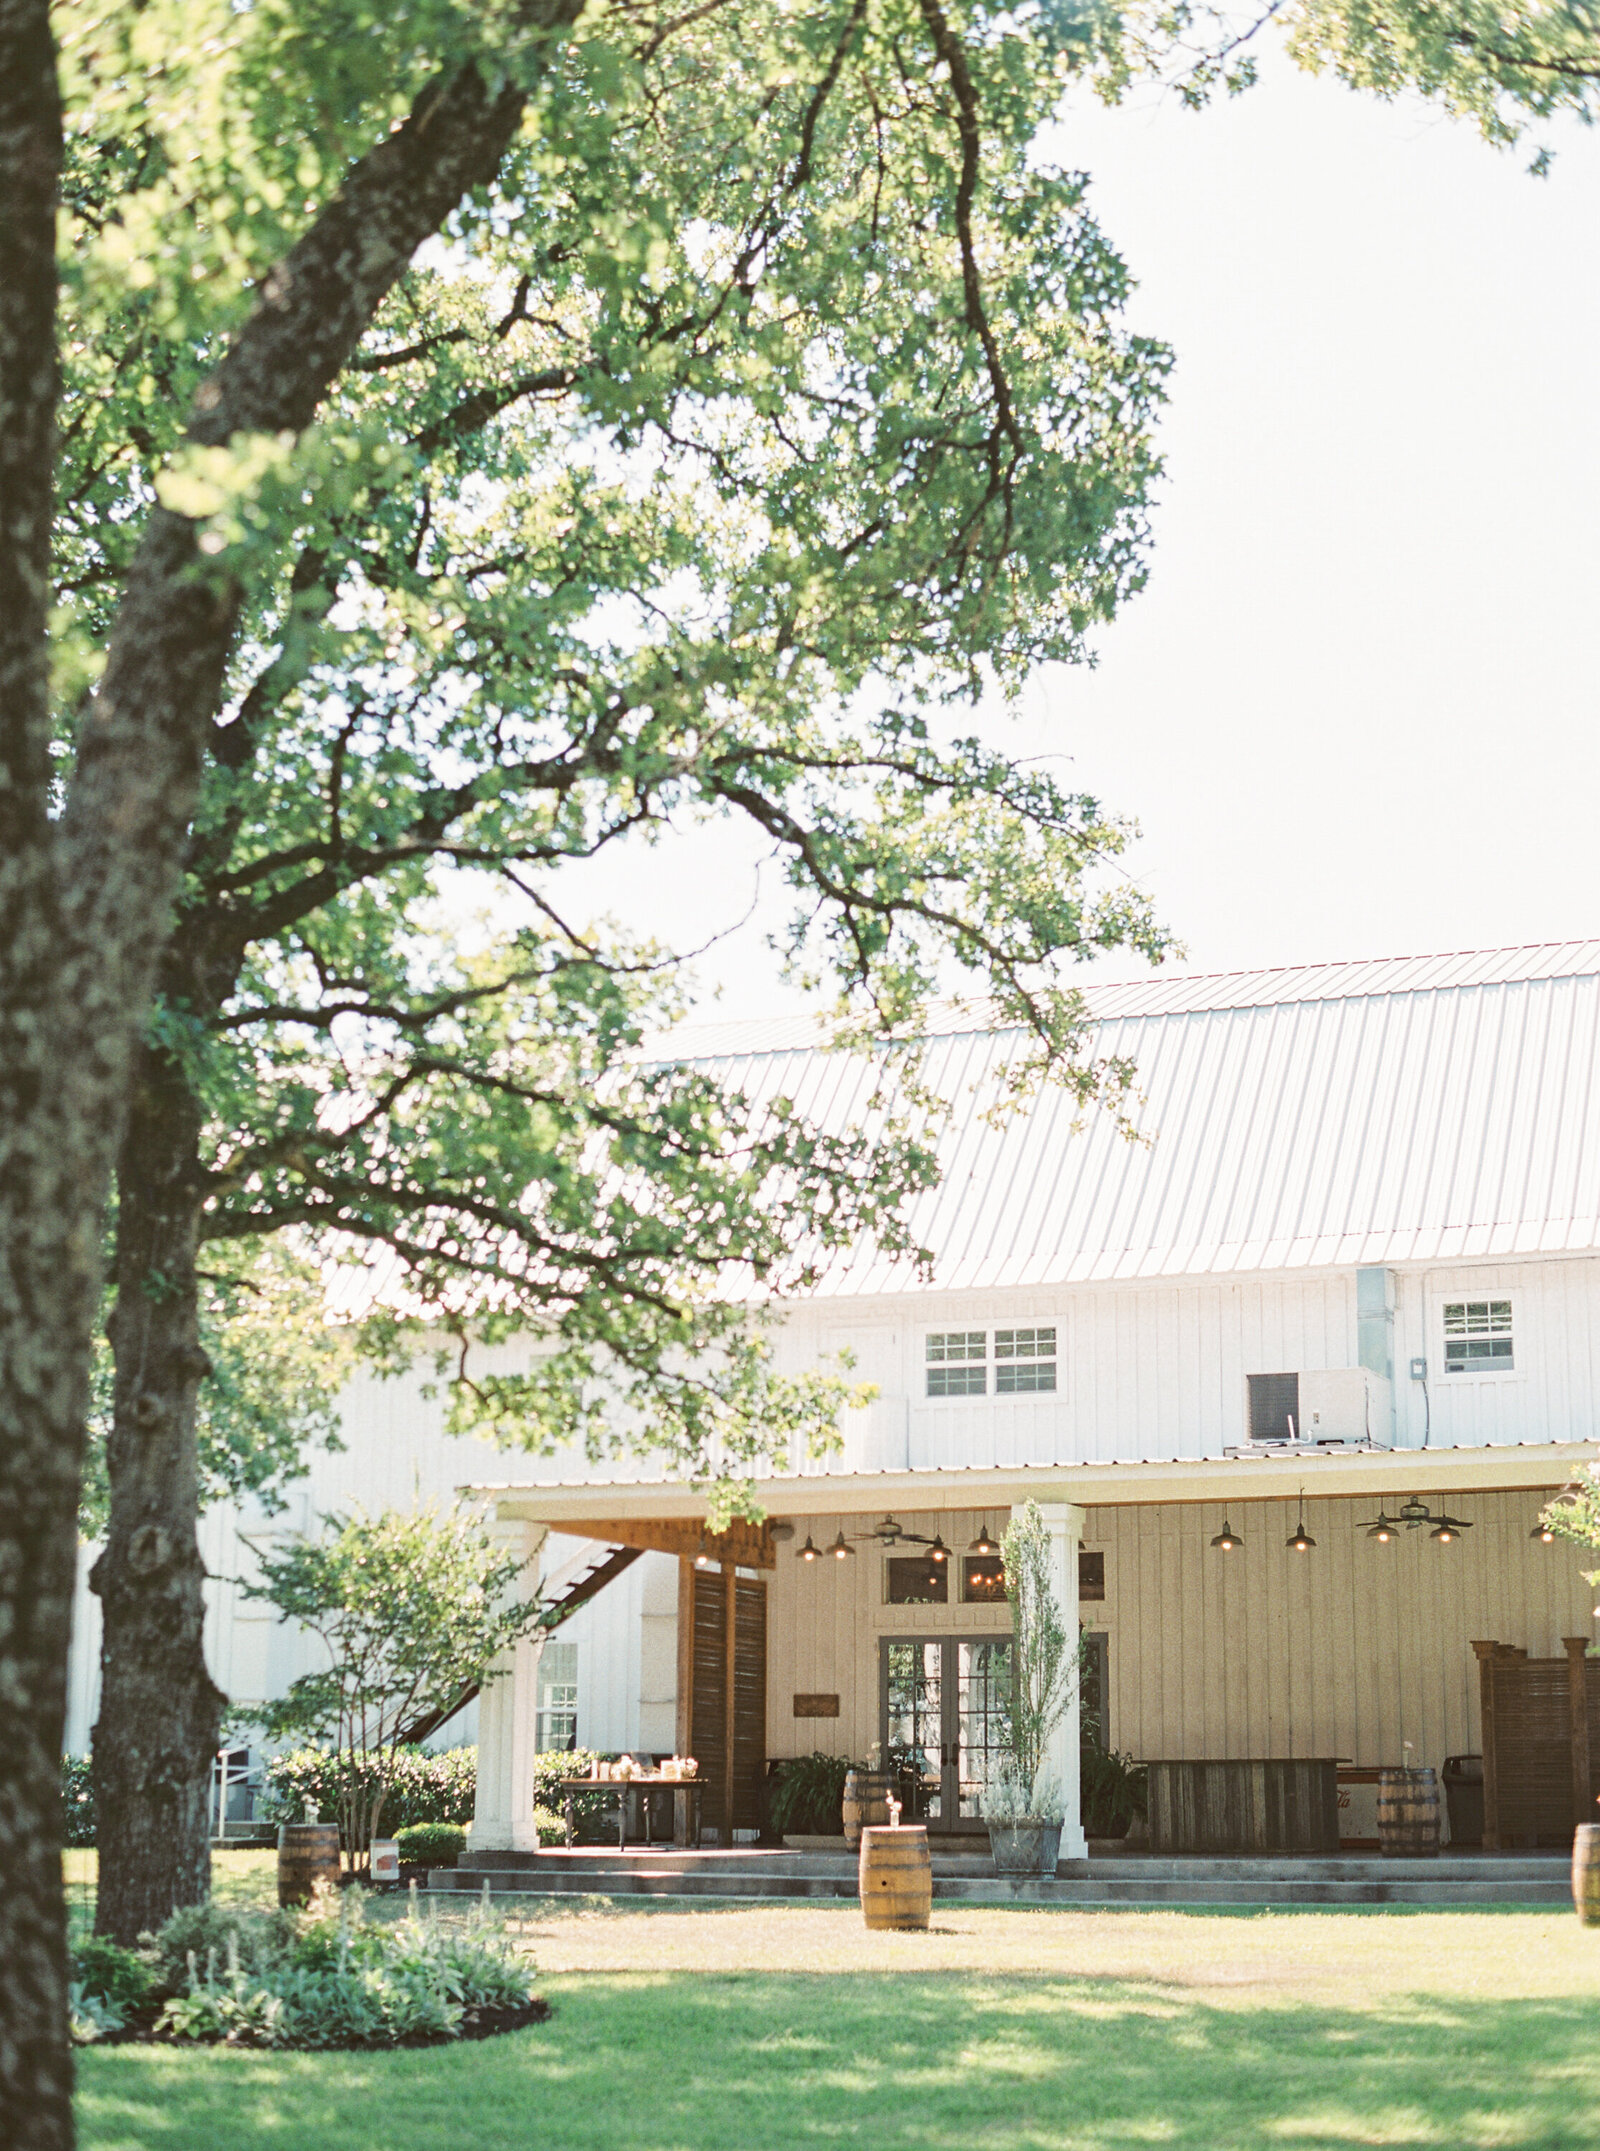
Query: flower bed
point(322, 1978)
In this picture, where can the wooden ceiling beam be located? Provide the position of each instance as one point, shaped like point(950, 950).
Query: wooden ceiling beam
point(746, 1545)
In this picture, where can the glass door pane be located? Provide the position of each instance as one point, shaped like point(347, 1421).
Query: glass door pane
point(983, 1718)
point(914, 1735)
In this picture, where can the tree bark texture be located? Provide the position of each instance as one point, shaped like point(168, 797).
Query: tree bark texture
point(160, 1710)
point(47, 1260)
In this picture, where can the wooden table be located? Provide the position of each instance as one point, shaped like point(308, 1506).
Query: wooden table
point(685, 1804)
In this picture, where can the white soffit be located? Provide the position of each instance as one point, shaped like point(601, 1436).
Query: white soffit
point(1419, 1109)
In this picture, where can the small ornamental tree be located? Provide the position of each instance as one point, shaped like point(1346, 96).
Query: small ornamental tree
point(1575, 1515)
point(411, 1608)
point(1044, 1662)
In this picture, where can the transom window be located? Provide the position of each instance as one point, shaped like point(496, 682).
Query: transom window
point(958, 1363)
point(1477, 1337)
point(1024, 1359)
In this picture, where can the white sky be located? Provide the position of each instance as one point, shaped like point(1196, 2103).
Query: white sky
point(1355, 709)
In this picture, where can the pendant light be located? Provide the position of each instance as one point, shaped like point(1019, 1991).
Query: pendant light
point(938, 1551)
point(1383, 1530)
point(808, 1552)
point(1544, 1534)
point(1226, 1540)
point(983, 1544)
point(1302, 1542)
point(841, 1549)
point(1444, 1531)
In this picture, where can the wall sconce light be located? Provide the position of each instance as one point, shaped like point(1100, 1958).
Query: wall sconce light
point(1226, 1540)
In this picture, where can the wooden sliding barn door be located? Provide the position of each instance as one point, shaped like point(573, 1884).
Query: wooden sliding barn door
point(722, 1692)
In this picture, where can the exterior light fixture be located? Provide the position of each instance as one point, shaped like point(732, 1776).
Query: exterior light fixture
point(1302, 1542)
point(808, 1552)
point(704, 1560)
point(1544, 1534)
point(1444, 1532)
point(983, 1544)
point(938, 1551)
point(1383, 1530)
point(841, 1549)
point(1225, 1540)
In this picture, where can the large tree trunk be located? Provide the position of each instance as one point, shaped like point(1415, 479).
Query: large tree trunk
point(48, 1175)
point(160, 1712)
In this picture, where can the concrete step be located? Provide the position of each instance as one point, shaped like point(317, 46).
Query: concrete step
point(1482, 1879)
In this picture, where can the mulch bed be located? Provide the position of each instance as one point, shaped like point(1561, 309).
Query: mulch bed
point(140, 2030)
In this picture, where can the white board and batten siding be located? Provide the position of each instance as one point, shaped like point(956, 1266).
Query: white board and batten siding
point(1158, 1371)
point(1349, 1650)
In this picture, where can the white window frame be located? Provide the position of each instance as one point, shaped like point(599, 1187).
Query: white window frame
point(992, 1361)
point(1485, 1371)
point(937, 1352)
point(549, 1688)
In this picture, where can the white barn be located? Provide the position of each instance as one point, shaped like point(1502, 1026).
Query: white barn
point(1364, 1211)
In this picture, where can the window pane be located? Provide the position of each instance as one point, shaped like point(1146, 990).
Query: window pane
point(1478, 1337)
point(916, 1580)
point(983, 1580)
point(1024, 1344)
point(957, 1381)
point(956, 1344)
point(1034, 1374)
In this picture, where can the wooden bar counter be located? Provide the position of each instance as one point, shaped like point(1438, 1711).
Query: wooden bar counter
point(1280, 1804)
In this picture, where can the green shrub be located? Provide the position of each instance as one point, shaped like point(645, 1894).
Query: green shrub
point(1111, 1790)
point(103, 1971)
point(808, 1797)
point(422, 1787)
point(77, 1800)
point(324, 1978)
point(590, 1811)
point(552, 1828)
point(434, 1844)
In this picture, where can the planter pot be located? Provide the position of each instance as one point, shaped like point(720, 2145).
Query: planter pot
point(1025, 1848)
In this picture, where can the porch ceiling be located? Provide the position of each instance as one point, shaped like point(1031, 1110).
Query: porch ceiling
point(1533, 1465)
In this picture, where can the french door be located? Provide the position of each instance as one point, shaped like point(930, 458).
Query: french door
point(945, 1712)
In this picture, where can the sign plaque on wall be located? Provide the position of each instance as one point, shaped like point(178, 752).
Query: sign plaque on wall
point(816, 1706)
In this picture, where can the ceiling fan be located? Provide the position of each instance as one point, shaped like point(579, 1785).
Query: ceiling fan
point(891, 1533)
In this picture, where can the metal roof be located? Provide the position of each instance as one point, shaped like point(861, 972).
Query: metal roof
point(1417, 1109)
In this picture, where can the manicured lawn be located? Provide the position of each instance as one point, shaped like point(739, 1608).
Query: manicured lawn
point(755, 2029)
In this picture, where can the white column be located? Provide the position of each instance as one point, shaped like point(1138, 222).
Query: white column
point(1065, 1525)
point(508, 1716)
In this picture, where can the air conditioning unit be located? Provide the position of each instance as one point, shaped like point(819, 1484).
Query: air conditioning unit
point(1318, 1405)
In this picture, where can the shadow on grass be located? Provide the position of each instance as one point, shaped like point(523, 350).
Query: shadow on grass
point(1029, 2063)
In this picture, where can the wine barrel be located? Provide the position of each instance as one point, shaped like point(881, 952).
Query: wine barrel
point(896, 1877)
point(308, 1853)
point(1586, 1873)
point(1408, 1814)
point(866, 1802)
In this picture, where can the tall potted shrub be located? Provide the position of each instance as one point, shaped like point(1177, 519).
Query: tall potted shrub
point(1023, 1801)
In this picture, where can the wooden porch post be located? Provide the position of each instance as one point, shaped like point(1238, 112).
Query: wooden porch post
point(684, 1736)
point(1578, 1703)
point(730, 1633)
point(1486, 1655)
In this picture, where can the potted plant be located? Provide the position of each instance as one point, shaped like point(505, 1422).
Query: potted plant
point(1022, 1799)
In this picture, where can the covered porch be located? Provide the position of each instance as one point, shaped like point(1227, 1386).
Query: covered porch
point(1353, 1650)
